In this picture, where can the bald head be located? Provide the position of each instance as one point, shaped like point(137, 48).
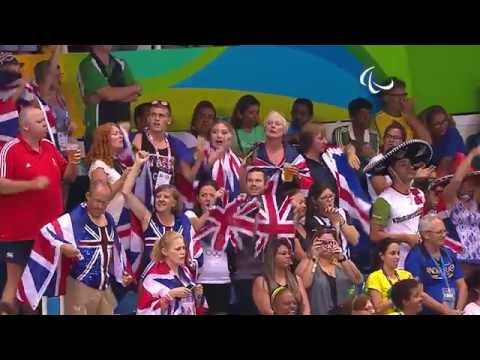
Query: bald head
point(32, 123)
point(100, 187)
point(98, 197)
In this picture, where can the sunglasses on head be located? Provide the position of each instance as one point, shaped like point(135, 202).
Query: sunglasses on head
point(160, 102)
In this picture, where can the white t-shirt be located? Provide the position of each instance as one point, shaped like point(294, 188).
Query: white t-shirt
point(115, 206)
point(472, 309)
point(399, 214)
point(215, 263)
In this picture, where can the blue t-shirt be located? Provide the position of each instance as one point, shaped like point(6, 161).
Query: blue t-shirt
point(422, 266)
point(449, 145)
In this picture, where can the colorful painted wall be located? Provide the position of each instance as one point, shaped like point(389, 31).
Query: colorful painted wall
point(329, 75)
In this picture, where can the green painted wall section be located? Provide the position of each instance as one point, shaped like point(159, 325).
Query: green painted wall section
point(394, 62)
point(447, 75)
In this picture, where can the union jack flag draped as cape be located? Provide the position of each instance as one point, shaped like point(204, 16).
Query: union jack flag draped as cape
point(274, 172)
point(46, 269)
point(154, 298)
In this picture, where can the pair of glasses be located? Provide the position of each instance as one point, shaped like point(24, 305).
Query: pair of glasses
point(393, 137)
point(441, 232)
point(325, 198)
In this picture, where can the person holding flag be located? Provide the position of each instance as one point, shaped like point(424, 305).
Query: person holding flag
point(78, 254)
point(31, 174)
point(15, 93)
point(220, 226)
point(169, 287)
point(221, 164)
point(281, 162)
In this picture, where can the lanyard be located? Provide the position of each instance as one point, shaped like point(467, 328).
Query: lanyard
point(441, 268)
point(157, 153)
point(388, 279)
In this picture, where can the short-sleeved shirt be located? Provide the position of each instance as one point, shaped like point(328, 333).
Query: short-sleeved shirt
point(448, 146)
point(378, 281)
point(91, 79)
point(422, 266)
point(383, 120)
point(399, 213)
point(244, 141)
point(23, 214)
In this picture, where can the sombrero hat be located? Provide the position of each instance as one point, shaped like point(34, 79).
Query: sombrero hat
point(442, 181)
point(445, 180)
point(418, 151)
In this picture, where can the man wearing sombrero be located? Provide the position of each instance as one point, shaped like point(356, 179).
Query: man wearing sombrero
point(396, 212)
point(461, 195)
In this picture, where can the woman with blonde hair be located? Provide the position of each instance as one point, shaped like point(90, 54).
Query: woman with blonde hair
point(221, 164)
point(169, 287)
point(279, 160)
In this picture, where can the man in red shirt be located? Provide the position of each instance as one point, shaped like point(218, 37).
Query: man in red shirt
point(31, 174)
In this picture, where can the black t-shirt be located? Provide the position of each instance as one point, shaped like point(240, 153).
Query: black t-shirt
point(321, 173)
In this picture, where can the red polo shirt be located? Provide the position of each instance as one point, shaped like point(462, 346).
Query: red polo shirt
point(23, 214)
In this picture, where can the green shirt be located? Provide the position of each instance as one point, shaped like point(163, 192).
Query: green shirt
point(381, 212)
point(90, 80)
point(244, 141)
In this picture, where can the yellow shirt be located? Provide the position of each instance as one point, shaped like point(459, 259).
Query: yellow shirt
point(383, 120)
point(378, 281)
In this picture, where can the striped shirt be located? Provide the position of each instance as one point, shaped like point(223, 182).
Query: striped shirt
point(344, 135)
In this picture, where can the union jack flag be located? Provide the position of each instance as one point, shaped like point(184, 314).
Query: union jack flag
point(9, 114)
point(225, 225)
point(226, 173)
point(8, 121)
point(274, 172)
point(154, 296)
point(46, 269)
point(352, 197)
point(274, 220)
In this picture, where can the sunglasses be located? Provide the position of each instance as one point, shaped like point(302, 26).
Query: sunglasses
point(160, 102)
